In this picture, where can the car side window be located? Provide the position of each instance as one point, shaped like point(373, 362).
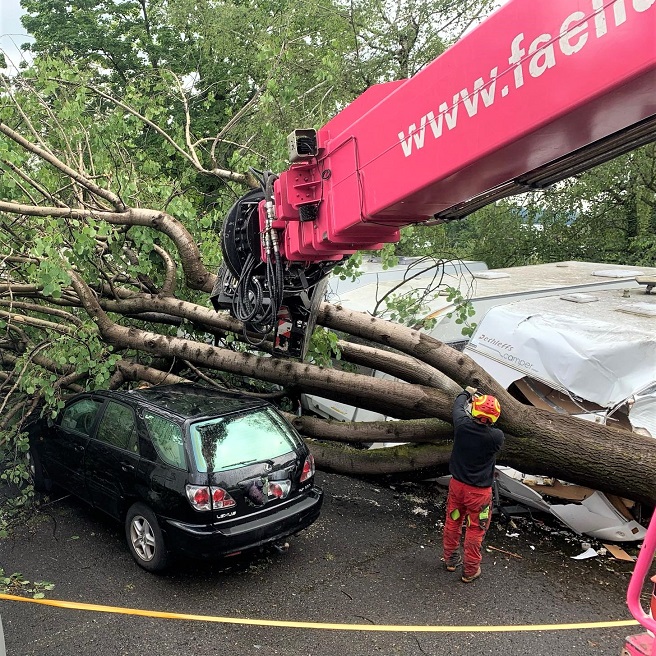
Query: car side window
point(80, 416)
point(167, 439)
point(118, 427)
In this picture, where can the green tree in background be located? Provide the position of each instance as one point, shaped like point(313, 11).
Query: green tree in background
point(603, 215)
point(126, 140)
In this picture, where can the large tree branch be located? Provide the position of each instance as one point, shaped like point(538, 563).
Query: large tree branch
point(417, 431)
point(91, 186)
point(197, 276)
point(134, 371)
point(405, 459)
point(457, 366)
point(540, 437)
point(408, 369)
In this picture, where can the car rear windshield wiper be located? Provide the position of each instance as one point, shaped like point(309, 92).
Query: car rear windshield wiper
point(254, 461)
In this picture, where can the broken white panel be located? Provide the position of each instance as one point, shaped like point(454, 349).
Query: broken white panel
point(642, 414)
point(527, 479)
point(596, 517)
point(329, 409)
point(587, 356)
point(596, 417)
point(516, 490)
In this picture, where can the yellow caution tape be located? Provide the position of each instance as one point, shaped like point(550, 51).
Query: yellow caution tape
point(73, 605)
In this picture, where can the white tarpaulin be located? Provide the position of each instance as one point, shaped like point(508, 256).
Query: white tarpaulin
point(602, 350)
point(564, 344)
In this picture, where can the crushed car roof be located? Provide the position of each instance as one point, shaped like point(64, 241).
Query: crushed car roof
point(190, 401)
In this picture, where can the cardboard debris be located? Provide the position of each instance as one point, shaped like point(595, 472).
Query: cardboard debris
point(619, 553)
point(564, 491)
point(621, 505)
point(547, 398)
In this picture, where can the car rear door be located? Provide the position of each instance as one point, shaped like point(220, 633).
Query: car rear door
point(65, 443)
point(112, 458)
point(164, 465)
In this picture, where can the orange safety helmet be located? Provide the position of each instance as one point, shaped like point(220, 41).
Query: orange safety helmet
point(485, 408)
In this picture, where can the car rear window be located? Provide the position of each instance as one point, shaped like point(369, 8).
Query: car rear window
point(167, 438)
point(228, 442)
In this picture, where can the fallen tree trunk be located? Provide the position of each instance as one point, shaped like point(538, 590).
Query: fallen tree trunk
point(609, 459)
point(127, 260)
point(416, 458)
point(414, 430)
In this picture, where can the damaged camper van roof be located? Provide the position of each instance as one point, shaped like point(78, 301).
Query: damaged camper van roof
point(588, 354)
point(598, 347)
point(484, 288)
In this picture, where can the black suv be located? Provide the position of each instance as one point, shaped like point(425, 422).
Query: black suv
point(188, 469)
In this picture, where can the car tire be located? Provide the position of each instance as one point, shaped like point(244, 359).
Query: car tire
point(145, 538)
point(39, 479)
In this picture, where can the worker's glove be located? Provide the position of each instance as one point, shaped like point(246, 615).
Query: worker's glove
point(471, 391)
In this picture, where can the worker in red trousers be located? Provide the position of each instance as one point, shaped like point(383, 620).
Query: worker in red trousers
point(476, 443)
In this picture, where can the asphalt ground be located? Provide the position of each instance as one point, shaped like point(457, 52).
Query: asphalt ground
point(372, 559)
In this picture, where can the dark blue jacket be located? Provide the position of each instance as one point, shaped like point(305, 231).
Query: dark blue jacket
point(475, 446)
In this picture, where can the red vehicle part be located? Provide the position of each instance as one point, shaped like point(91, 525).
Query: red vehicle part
point(536, 93)
point(643, 644)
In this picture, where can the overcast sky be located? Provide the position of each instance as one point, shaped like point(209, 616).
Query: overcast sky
point(12, 33)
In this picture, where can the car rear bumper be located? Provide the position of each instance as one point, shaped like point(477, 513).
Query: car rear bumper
point(228, 537)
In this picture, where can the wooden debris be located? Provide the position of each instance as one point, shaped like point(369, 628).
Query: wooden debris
point(503, 551)
point(619, 553)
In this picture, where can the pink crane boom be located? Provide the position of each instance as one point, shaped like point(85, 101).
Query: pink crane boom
point(536, 93)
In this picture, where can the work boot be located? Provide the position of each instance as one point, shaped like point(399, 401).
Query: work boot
point(473, 577)
point(453, 562)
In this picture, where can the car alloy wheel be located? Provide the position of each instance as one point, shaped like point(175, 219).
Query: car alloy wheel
point(145, 538)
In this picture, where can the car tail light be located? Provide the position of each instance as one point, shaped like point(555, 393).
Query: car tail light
point(221, 499)
point(202, 497)
point(308, 468)
point(199, 497)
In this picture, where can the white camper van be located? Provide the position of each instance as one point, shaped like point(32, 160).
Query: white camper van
point(590, 355)
point(572, 337)
point(485, 289)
